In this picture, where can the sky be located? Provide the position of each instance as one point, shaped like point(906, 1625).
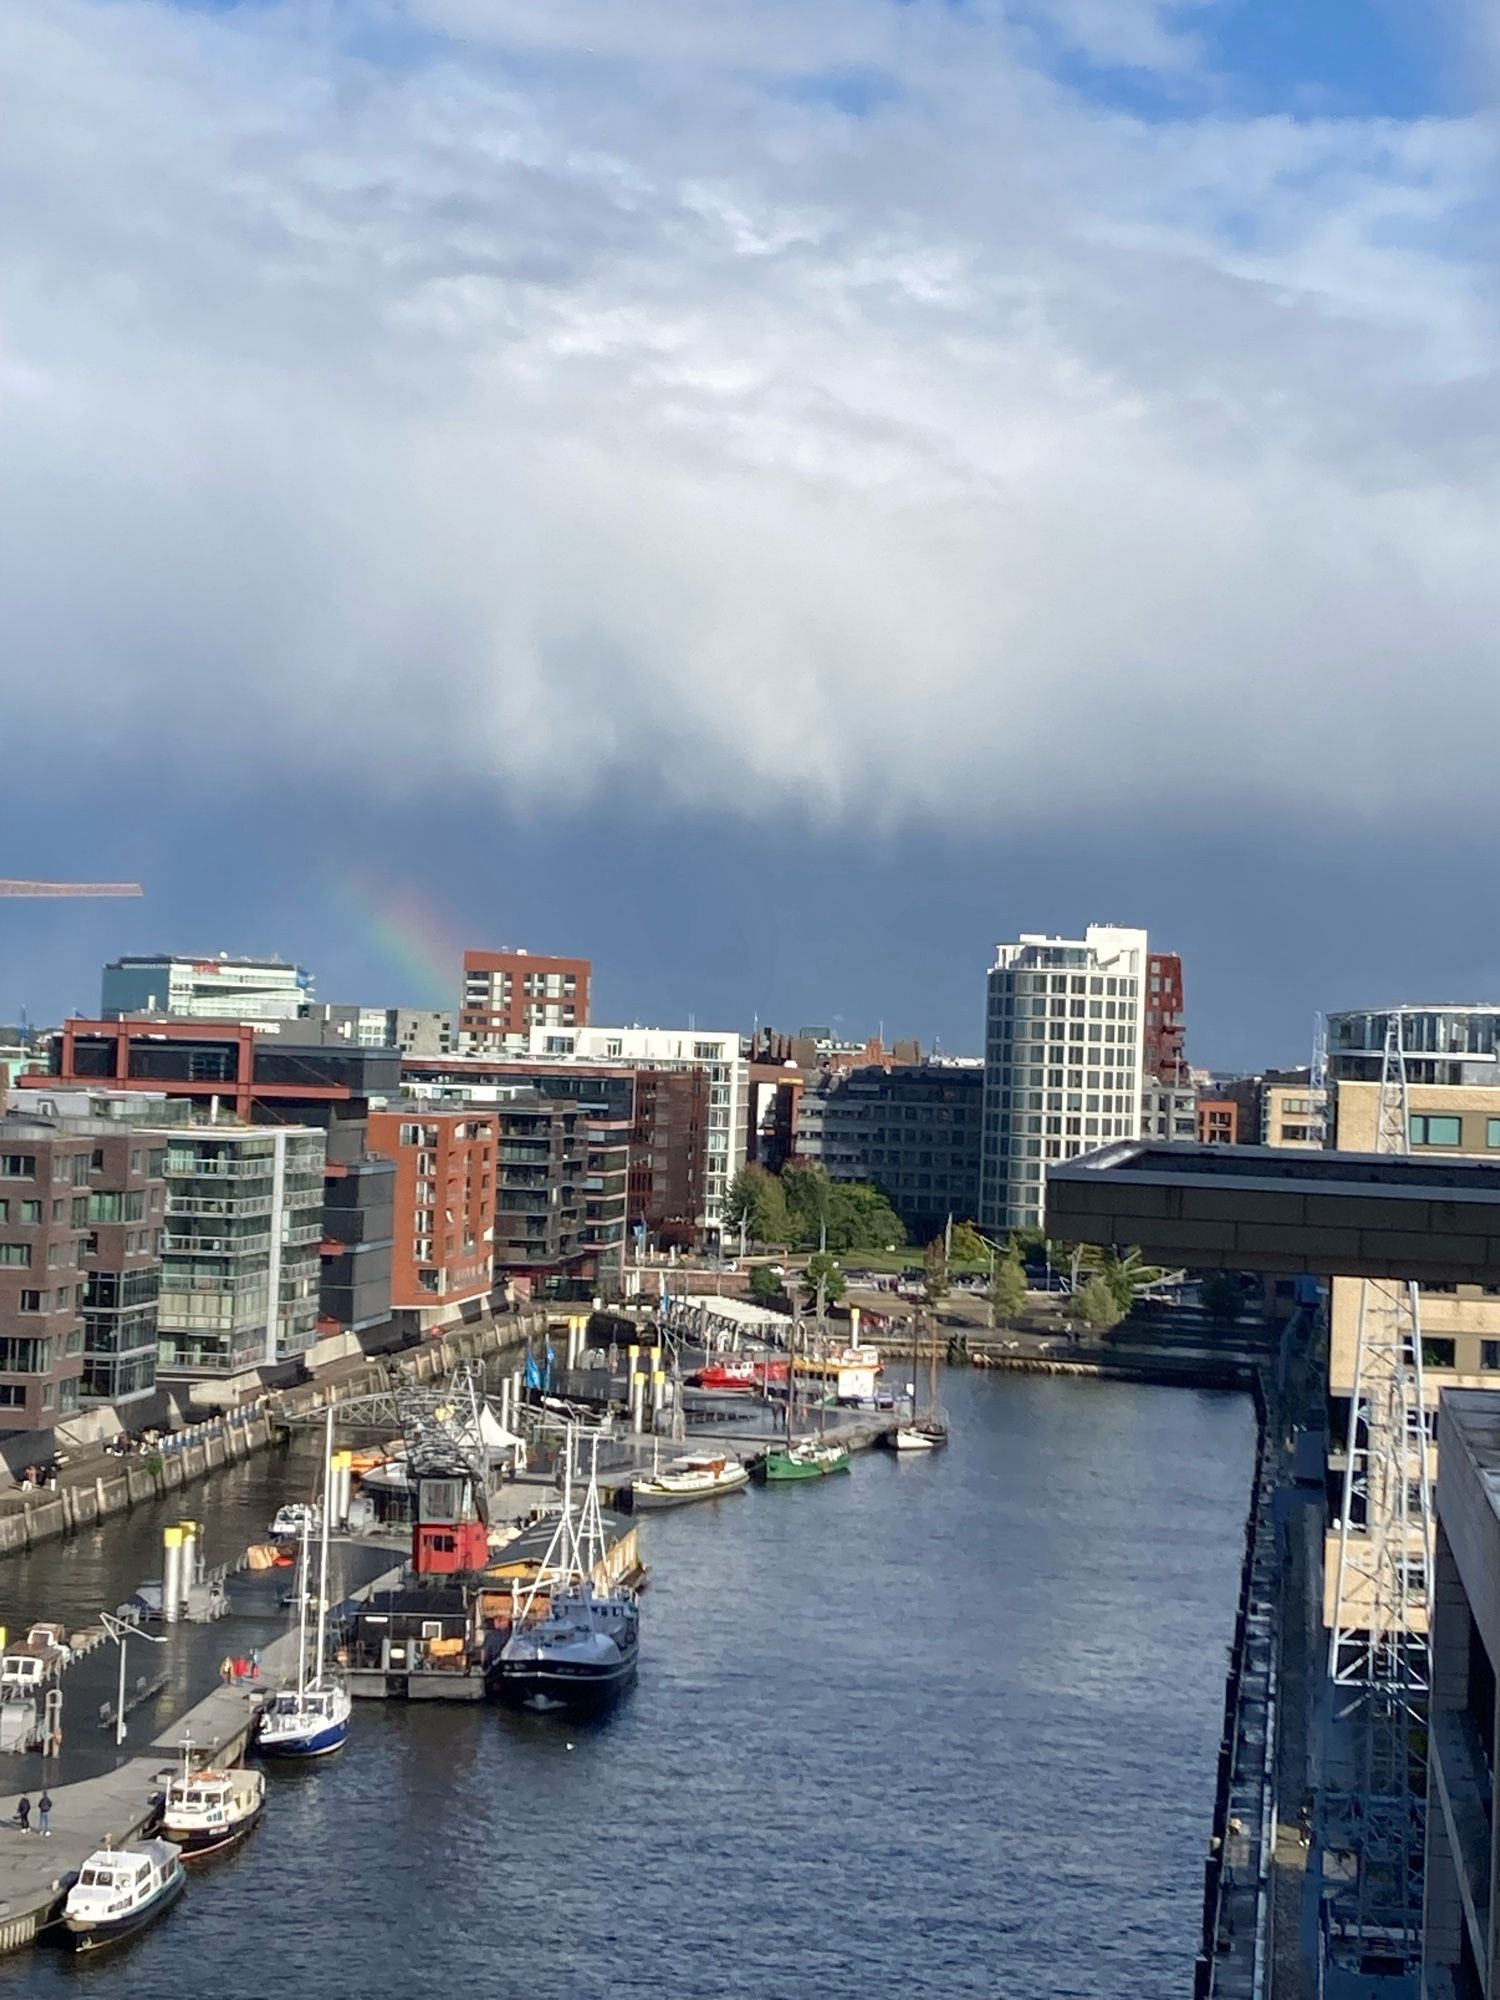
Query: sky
point(773, 498)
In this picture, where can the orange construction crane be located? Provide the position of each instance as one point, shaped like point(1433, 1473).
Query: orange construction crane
point(71, 889)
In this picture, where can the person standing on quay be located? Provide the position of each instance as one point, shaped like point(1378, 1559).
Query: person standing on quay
point(44, 1814)
point(23, 1813)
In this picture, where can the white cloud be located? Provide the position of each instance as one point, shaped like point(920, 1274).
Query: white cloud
point(487, 409)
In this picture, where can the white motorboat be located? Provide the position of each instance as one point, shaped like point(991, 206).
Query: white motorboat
point(210, 1809)
point(121, 1890)
point(700, 1476)
point(292, 1519)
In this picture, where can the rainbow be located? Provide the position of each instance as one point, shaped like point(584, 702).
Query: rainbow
point(409, 932)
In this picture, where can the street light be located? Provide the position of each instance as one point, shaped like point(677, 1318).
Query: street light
point(121, 1629)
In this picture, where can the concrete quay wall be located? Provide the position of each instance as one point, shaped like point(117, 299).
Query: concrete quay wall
point(186, 1457)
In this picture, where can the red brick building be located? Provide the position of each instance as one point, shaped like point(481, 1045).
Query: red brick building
point(446, 1163)
point(508, 993)
point(1165, 1033)
point(1218, 1121)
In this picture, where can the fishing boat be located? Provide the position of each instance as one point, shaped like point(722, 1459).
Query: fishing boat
point(701, 1476)
point(311, 1717)
point(208, 1810)
point(794, 1458)
point(578, 1652)
point(121, 1890)
point(810, 1459)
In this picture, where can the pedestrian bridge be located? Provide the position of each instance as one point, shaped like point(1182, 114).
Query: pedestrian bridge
point(1265, 1208)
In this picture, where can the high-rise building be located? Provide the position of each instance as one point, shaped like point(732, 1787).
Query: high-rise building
point(1063, 1062)
point(445, 1160)
point(912, 1130)
point(205, 989)
point(506, 994)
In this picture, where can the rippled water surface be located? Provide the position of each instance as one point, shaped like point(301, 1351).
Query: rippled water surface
point(941, 1728)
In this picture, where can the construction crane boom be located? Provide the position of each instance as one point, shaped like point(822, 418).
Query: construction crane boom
point(71, 889)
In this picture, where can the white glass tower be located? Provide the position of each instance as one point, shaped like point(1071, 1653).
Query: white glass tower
point(1062, 1061)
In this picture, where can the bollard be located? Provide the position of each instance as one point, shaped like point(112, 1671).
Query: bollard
point(171, 1574)
point(343, 1486)
point(658, 1393)
point(190, 1555)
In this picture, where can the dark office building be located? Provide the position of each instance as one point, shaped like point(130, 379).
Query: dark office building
point(914, 1131)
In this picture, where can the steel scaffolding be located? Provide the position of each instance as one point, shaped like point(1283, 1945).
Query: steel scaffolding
point(1374, 1802)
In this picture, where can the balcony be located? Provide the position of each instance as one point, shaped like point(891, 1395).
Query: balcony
point(229, 1245)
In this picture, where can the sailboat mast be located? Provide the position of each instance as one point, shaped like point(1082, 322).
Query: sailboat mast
point(303, 1575)
point(322, 1647)
point(791, 1376)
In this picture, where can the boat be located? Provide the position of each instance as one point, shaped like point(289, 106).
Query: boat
point(121, 1890)
point(810, 1459)
point(290, 1521)
point(208, 1810)
point(914, 1437)
point(794, 1458)
point(311, 1717)
point(578, 1654)
point(701, 1476)
point(920, 1433)
point(740, 1377)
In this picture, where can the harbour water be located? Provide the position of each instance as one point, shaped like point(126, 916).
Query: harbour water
point(945, 1727)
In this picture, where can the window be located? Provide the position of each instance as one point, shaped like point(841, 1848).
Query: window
point(1437, 1353)
point(31, 1211)
point(31, 1302)
point(1489, 1353)
point(18, 1166)
point(1429, 1131)
point(15, 1253)
point(1492, 1132)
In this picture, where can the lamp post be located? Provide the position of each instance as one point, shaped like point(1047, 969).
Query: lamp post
point(120, 1629)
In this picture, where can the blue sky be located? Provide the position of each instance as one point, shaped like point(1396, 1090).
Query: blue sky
point(777, 498)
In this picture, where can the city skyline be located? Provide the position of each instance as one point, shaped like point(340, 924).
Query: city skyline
point(848, 484)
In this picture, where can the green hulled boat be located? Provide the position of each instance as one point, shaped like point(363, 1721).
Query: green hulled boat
point(809, 1460)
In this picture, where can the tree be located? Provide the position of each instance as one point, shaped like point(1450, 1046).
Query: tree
point(756, 1199)
point(855, 1215)
point(1008, 1287)
point(968, 1246)
point(935, 1271)
point(1097, 1306)
point(1220, 1296)
point(1122, 1271)
point(822, 1265)
point(764, 1284)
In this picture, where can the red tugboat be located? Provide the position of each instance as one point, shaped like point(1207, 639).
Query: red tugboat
point(740, 1377)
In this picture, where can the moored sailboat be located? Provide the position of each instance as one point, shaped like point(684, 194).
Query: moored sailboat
point(700, 1476)
point(310, 1718)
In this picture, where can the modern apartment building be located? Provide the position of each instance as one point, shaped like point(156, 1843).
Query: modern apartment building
point(1063, 1064)
point(445, 1194)
point(44, 1204)
point(240, 1253)
point(593, 1131)
point(205, 989)
point(121, 1257)
point(262, 1075)
point(506, 994)
point(563, 1190)
point(914, 1131)
point(1218, 1121)
point(1164, 1031)
point(717, 1053)
point(421, 1031)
